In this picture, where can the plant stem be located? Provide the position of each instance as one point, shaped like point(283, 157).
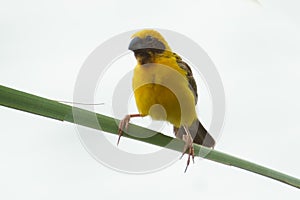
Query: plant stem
point(53, 109)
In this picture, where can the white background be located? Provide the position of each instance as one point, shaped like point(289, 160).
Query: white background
point(255, 48)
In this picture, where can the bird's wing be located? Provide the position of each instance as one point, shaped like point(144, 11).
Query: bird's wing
point(192, 83)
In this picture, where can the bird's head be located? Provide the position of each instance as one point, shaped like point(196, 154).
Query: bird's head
point(146, 44)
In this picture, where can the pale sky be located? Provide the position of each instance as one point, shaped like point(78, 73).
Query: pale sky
point(254, 47)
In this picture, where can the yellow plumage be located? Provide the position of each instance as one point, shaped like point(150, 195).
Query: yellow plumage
point(164, 83)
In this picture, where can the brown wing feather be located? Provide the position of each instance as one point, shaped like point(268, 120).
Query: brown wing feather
point(192, 83)
point(197, 130)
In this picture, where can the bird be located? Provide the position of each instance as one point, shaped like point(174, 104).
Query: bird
point(165, 89)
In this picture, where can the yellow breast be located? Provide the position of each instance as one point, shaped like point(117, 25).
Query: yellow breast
point(162, 91)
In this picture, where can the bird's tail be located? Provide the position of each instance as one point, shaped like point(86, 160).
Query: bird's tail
point(198, 133)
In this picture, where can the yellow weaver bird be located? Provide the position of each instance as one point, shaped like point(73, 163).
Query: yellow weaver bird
point(165, 89)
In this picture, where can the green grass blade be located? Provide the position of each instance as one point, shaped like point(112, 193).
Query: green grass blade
point(52, 109)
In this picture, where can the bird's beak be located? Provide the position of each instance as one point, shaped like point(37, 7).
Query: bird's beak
point(135, 44)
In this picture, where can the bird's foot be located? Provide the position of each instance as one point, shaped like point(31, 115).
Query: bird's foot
point(187, 138)
point(124, 123)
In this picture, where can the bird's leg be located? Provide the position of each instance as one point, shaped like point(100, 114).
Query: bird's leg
point(187, 138)
point(124, 124)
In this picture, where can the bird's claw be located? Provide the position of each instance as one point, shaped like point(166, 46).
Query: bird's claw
point(191, 154)
point(123, 125)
